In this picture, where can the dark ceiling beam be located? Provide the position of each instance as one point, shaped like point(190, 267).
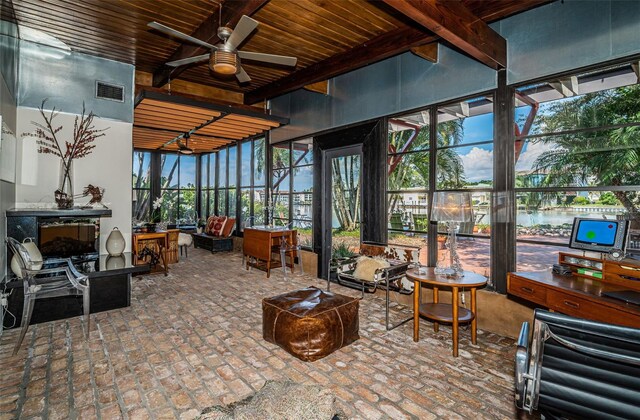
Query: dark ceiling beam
point(383, 46)
point(232, 11)
point(452, 21)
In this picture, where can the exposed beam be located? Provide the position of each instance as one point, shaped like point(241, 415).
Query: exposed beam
point(232, 11)
point(383, 46)
point(452, 21)
point(428, 51)
point(566, 87)
point(636, 69)
point(319, 87)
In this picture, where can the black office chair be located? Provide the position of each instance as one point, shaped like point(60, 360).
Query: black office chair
point(577, 368)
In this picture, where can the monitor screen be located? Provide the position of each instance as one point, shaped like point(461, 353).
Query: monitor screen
point(597, 232)
point(598, 235)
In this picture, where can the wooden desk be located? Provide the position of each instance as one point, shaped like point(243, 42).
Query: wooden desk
point(261, 244)
point(574, 295)
point(156, 241)
point(442, 312)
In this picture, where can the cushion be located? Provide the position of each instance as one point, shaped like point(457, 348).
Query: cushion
point(184, 239)
point(366, 267)
point(228, 227)
point(30, 256)
point(215, 225)
point(280, 400)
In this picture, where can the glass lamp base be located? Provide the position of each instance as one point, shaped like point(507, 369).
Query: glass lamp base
point(444, 270)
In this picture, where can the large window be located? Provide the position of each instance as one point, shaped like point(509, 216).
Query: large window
point(408, 180)
point(178, 188)
point(292, 187)
point(577, 155)
point(207, 184)
point(235, 173)
point(252, 182)
point(462, 160)
point(141, 186)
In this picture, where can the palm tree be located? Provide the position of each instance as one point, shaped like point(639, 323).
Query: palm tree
point(414, 169)
point(607, 157)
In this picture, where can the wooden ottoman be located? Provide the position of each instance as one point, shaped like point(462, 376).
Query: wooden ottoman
point(310, 323)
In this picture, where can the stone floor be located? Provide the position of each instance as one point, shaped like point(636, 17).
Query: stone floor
point(193, 339)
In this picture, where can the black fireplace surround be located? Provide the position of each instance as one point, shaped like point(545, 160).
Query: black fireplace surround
point(75, 234)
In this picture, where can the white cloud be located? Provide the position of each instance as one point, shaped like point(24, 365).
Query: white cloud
point(531, 153)
point(478, 164)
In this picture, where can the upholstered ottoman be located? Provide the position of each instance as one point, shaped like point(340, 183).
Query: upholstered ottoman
point(310, 323)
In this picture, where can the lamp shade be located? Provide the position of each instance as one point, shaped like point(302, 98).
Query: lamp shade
point(451, 206)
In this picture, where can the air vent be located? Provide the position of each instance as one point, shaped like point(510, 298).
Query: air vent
point(109, 92)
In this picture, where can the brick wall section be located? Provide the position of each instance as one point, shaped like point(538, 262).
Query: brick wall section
point(193, 339)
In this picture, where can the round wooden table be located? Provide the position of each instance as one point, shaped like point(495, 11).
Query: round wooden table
point(444, 312)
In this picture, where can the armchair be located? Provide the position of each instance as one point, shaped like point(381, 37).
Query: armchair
point(61, 280)
point(578, 368)
point(391, 278)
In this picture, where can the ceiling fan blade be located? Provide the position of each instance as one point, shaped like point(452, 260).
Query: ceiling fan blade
point(177, 34)
point(178, 63)
point(241, 31)
point(268, 58)
point(242, 76)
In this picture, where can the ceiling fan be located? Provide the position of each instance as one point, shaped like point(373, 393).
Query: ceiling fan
point(224, 58)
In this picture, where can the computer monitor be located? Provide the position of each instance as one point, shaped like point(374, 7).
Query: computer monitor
point(599, 235)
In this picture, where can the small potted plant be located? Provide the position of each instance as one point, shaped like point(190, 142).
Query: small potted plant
point(200, 224)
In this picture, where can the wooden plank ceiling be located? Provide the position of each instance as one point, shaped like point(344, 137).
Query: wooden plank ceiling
point(160, 119)
point(328, 37)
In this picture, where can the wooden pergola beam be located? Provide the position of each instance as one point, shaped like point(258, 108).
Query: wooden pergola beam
point(207, 32)
point(452, 21)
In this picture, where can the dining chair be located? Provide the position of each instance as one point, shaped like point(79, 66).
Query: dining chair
point(61, 280)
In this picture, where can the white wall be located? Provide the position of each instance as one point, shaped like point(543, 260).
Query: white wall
point(108, 166)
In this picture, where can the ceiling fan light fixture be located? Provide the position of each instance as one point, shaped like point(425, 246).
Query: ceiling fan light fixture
point(224, 62)
point(184, 148)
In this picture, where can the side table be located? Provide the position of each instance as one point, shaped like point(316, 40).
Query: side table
point(156, 240)
point(443, 312)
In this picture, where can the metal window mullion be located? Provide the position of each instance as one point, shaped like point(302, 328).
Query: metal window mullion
point(291, 175)
point(432, 229)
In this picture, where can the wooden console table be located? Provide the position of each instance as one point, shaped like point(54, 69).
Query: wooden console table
point(580, 294)
point(260, 244)
point(157, 242)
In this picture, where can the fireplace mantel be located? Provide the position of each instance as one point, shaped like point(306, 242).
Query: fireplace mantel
point(51, 212)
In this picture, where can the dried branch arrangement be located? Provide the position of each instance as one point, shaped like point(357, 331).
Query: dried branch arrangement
point(84, 134)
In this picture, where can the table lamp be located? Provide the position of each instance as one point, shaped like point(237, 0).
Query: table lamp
point(452, 208)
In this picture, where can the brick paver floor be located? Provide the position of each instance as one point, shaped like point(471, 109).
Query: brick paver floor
point(194, 339)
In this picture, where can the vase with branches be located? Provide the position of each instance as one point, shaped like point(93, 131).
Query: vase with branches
point(84, 134)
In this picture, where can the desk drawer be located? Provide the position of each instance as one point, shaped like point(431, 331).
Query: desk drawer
point(526, 289)
point(583, 308)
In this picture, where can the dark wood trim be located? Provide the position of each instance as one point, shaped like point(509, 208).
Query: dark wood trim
point(457, 25)
point(383, 46)
point(207, 32)
point(503, 231)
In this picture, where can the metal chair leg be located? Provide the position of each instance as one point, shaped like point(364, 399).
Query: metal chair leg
point(86, 302)
point(283, 262)
point(388, 326)
point(27, 311)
